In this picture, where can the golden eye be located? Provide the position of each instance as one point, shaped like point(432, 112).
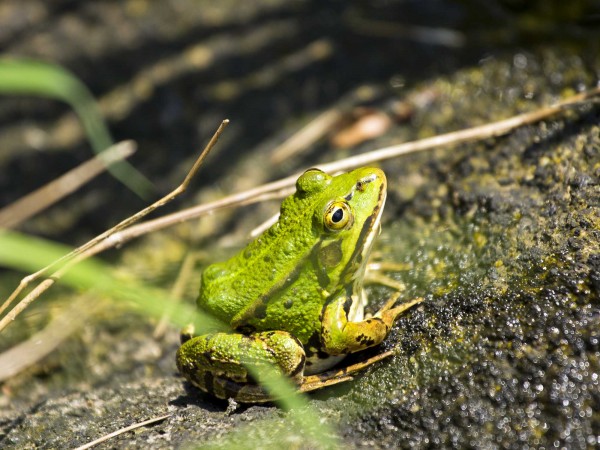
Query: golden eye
point(338, 216)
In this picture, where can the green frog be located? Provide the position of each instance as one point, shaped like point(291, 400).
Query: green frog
point(294, 297)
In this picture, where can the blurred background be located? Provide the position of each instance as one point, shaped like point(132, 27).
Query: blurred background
point(165, 73)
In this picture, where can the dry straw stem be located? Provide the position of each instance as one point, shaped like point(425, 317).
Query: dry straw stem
point(86, 250)
point(125, 231)
point(185, 273)
point(38, 200)
point(41, 344)
point(322, 124)
point(282, 187)
point(123, 430)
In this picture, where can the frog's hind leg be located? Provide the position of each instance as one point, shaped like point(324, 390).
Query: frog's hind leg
point(335, 376)
point(217, 362)
point(224, 388)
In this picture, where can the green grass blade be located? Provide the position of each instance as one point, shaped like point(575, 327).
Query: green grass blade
point(26, 253)
point(29, 77)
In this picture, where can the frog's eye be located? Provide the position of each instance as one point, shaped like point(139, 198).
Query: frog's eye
point(338, 216)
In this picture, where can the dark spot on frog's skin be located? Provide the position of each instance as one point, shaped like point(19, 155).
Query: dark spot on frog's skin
point(347, 305)
point(288, 304)
point(365, 340)
point(313, 347)
point(313, 342)
point(349, 196)
point(261, 311)
point(321, 354)
point(267, 259)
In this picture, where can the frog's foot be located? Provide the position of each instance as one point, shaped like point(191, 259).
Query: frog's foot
point(376, 274)
point(384, 280)
point(387, 266)
point(335, 376)
point(388, 313)
point(341, 336)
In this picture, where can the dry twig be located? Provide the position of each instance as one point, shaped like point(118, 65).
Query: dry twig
point(38, 200)
point(185, 273)
point(63, 264)
point(41, 344)
point(123, 430)
point(284, 186)
point(124, 232)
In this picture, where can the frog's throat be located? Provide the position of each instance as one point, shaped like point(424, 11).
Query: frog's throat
point(371, 228)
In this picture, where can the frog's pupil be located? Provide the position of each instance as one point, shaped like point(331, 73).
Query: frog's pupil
point(337, 215)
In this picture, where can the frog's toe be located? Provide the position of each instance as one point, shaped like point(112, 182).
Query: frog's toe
point(187, 333)
point(389, 314)
point(389, 304)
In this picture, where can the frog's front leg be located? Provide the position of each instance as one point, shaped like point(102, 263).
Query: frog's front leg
point(216, 362)
point(340, 336)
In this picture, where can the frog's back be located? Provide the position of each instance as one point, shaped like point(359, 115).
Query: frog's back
point(281, 280)
point(264, 269)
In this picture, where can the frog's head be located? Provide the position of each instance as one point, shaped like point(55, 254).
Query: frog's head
point(346, 218)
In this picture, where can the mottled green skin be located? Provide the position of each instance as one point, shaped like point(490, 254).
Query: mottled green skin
point(225, 357)
point(283, 278)
point(300, 282)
